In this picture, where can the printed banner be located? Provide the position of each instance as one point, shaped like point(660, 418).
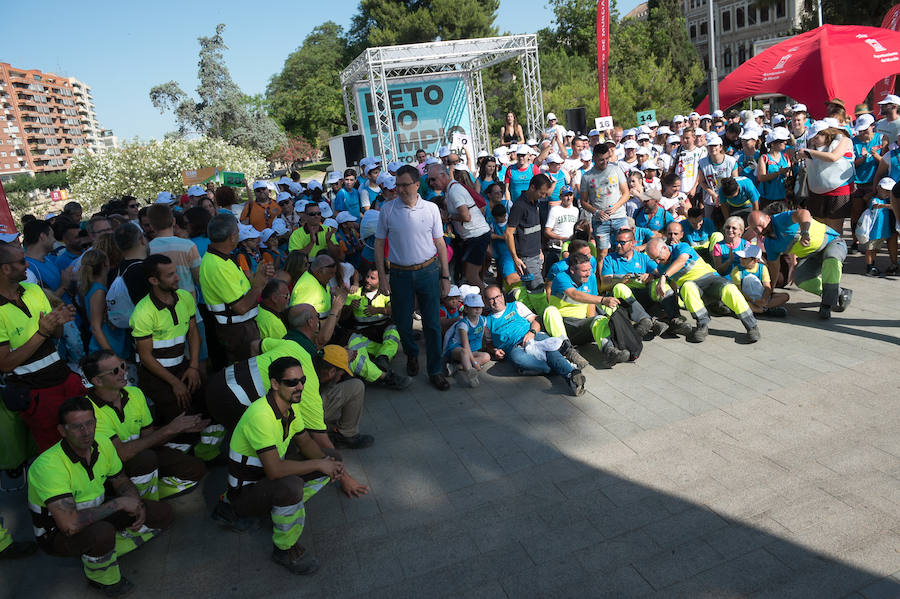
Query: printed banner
point(603, 54)
point(427, 112)
point(886, 86)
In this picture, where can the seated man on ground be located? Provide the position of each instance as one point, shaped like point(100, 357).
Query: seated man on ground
point(513, 327)
point(156, 469)
point(263, 479)
point(630, 274)
point(695, 278)
point(71, 514)
point(573, 312)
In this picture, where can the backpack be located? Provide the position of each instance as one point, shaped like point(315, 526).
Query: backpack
point(118, 301)
point(623, 335)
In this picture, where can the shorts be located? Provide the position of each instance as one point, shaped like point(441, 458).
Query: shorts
point(831, 207)
point(605, 229)
point(874, 245)
point(505, 264)
point(475, 249)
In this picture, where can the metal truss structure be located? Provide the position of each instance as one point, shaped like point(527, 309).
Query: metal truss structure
point(379, 66)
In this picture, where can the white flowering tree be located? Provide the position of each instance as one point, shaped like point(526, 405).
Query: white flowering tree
point(144, 169)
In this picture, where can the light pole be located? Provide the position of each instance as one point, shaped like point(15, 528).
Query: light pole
point(713, 73)
point(819, 3)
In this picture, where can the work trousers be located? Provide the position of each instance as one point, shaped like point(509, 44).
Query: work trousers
point(343, 404)
point(719, 288)
point(820, 273)
point(161, 472)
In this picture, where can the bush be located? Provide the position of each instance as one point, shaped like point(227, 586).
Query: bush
point(143, 170)
point(26, 183)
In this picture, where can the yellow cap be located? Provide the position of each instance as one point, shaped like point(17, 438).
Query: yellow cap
point(337, 356)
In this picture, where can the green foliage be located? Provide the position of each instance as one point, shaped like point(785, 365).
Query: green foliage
point(305, 97)
point(222, 111)
point(390, 22)
point(143, 170)
point(843, 12)
point(26, 183)
point(652, 63)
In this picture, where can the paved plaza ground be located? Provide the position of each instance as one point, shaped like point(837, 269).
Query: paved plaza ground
point(713, 470)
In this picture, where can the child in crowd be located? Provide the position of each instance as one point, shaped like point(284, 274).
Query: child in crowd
point(672, 199)
point(347, 238)
point(247, 254)
point(883, 228)
point(449, 310)
point(462, 342)
point(348, 196)
point(506, 270)
point(699, 232)
point(752, 277)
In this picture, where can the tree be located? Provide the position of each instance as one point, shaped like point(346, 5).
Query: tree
point(390, 22)
point(296, 149)
point(305, 97)
point(143, 170)
point(841, 12)
point(222, 111)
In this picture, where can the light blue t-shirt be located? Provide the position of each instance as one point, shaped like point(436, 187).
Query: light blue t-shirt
point(616, 265)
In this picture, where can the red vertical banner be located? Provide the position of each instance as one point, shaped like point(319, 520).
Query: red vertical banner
point(886, 86)
point(603, 55)
point(7, 222)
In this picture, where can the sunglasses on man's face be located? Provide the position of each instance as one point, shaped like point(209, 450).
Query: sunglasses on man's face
point(294, 382)
point(115, 370)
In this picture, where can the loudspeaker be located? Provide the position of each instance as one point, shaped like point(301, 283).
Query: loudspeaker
point(353, 149)
point(576, 120)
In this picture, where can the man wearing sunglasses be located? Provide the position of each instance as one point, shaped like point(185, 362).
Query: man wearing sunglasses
point(156, 469)
point(29, 328)
point(264, 479)
point(312, 236)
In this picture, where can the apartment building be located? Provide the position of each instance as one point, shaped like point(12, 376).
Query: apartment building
point(740, 24)
point(44, 119)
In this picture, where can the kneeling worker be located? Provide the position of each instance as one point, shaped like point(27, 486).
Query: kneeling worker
point(71, 514)
point(261, 479)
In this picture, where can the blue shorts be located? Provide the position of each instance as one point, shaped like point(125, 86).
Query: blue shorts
point(505, 265)
point(605, 229)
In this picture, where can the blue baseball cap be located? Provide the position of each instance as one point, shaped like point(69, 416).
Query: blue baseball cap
point(567, 189)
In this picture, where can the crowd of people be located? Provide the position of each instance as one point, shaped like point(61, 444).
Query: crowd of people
point(146, 344)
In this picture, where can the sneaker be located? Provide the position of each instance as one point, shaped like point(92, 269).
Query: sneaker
point(753, 335)
point(576, 381)
point(872, 271)
point(395, 381)
point(612, 355)
point(296, 559)
point(417, 315)
point(226, 517)
point(893, 270)
point(679, 326)
point(643, 327)
point(120, 589)
point(355, 442)
point(571, 354)
point(699, 334)
point(779, 312)
point(844, 298)
point(382, 362)
point(472, 376)
point(18, 549)
point(824, 312)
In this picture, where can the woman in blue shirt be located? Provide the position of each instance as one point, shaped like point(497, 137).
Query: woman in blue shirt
point(773, 168)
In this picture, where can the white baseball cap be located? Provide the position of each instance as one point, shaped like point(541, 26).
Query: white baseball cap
point(330, 222)
point(333, 177)
point(778, 134)
point(393, 165)
point(629, 133)
point(891, 99)
point(260, 185)
point(284, 181)
point(630, 145)
point(673, 139)
point(431, 160)
point(265, 234)
point(389, 182)
point(325, 207)
point(652, 124)
point(678, 118)
point(370, 167)
point(758, 113)
point(694, 115)
point(816, 128)
point(705, 117)
point(473, 300)
point(247, 232)
point(585, 155)
point(196, 191)
point(643, 136)
point(864, 122)
point(164, 197)
point(531, 141)
point(713, 139)
point(570, 133)
point(717, 113)
point(750, 133)
point(279, 226)
point(593, 132)
point(314, 184)
point(444, 151)
point(642, 151)
point(454, 291)
point(778, 119)
point(664, 130)
point(802, 107)
point(650, 165)
point(551, 117)
point(554, 157)
point(283, 196)
point(345, 217)
point(751, 251)
point(887, 183)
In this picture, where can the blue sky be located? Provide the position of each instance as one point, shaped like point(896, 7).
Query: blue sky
point(122, 49)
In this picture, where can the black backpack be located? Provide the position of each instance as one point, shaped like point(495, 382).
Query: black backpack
point(623, 335)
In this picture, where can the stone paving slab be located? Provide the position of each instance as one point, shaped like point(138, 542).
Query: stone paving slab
point(713, 470)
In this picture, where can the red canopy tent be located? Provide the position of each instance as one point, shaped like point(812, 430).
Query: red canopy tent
point(831, 61)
